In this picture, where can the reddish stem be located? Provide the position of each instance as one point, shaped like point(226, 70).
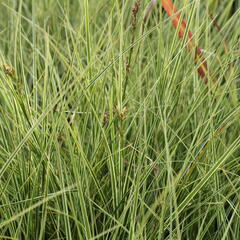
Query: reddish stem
point(172, 12)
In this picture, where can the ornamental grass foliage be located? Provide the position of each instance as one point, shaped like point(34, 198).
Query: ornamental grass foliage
point(119, 119)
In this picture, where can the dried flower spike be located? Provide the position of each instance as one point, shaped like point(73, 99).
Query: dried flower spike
point(122, 114)
point(135, 10)
point(8, 70)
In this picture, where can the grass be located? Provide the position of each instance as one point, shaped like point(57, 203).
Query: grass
point(108, 131)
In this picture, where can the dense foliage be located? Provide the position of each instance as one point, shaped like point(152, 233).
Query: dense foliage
point(106, 129)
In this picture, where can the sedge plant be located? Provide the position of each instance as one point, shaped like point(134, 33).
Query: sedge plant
point(110, 128)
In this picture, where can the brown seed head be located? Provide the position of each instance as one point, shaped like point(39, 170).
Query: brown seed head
point(135, 10)
point(8, 70)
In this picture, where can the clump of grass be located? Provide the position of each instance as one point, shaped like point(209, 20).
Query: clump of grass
point(89, 150)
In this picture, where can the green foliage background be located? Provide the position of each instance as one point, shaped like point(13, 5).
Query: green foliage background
point(109, 133)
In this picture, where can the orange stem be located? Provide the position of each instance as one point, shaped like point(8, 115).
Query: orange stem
point(172, 12)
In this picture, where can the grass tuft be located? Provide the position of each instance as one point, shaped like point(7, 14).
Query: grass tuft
point(107, 130)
